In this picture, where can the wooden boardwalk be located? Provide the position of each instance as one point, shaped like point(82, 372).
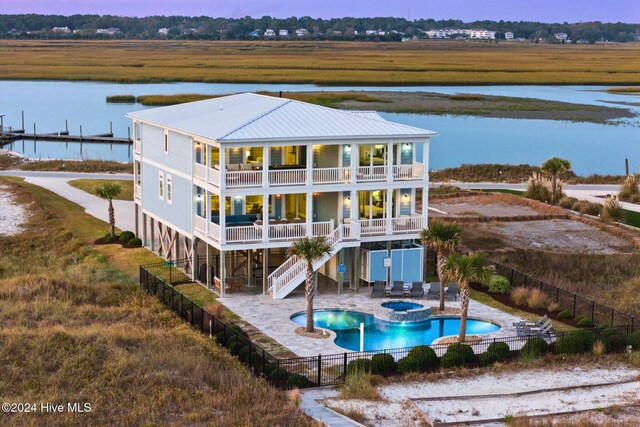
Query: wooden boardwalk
point(106, 138)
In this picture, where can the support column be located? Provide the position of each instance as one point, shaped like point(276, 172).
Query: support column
point(340, 275)
point(194, 259)
point(223, 198)
point(266, 155)
point(353, 213)
point(265, 217)
point(152, 228)
point(145, 243)
point(249, 267)
point(265, 270)
point(390, 162)
point(309, 165)
point(356, 263)
point(388, 269)
point(136, 219)
point(222, 273)
point(425, 191)
point(176, 245)
point(309, 214)
point(208, 266)
point(388, 208)
point(354, 160)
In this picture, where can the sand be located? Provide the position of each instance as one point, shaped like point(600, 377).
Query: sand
point(12, 214)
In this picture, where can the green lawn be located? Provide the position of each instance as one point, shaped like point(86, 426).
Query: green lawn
point(633, 218)
point(89, 185)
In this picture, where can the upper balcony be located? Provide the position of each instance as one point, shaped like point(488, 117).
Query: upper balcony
point(250, 167)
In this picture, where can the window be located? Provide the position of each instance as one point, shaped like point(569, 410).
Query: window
point(161, 185)
point(166, 142)
point(169, 189)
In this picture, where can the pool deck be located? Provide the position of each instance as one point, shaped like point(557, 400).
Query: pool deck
point(272, 317)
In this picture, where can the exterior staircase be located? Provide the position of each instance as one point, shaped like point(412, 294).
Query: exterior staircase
point(291, 273)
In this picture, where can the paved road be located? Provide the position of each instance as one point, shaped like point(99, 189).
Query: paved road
point(58, 182)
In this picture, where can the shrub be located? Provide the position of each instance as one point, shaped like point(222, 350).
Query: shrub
point(584, 322)
point(499, 284)
point(125, 236)
point(358, 366)
point(612, 210)
point(465, 350)
point(587, 208)
point(598, 348)
point(567, 202)
point(535, 347)
point(279, 375)
point(425, 355)
point(109, 239)
point(553, 306)
point(487, 358)
point(408, 364)
point(565, 314)
point(614, 343)
point(579, 317)
point(236, 328)
point(574, 343)
point(382, 364)
point(519, 295)
point(298, 381)
point(135, 242)
point(634, 340)
point(630, 188)
point(537, 190)
point(231, 339)
point(235, 347)
point(607, 331)
point(536, 299)
point(452, 360)
point(244, 355)
point(500, 349)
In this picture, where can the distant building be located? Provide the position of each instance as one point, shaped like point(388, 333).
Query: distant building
point(163, 31)
point(371, 32)
point(187, 31)
point(255, 33)
point(269, 33)
point(481, 34)
point(61, 30)
point(108, 31)
point(561, 36)
point(508, 35)
point(283, 33)
point(302, 32)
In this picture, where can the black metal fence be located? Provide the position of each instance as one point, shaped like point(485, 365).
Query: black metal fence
point(331, 369)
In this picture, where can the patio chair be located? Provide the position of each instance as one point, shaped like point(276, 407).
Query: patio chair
point(525, 323)
point(434, 291)
point(544, 329)
point(452, 291)
point(398, 289)
point(417, 291)
point(378, 289)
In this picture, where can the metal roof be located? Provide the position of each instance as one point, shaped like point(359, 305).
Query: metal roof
point(249, 116)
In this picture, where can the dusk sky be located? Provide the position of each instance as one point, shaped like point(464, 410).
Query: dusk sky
point(466, 10)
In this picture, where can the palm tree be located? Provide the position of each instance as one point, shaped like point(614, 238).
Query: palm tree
point(554, 167)
point(108, 191)
point(443, 238)
point(465, 269)
point(310, 250)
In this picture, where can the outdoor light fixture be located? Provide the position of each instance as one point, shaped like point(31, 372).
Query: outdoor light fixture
point(348, 198)
point(405, 195)
point(347, 148)
point(407, 146)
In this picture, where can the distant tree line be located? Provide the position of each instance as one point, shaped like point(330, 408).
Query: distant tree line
point(207, 28)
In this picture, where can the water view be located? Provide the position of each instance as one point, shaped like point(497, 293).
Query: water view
point(592, 148)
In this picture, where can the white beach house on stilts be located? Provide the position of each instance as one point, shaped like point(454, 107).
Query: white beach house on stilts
point(228, 183)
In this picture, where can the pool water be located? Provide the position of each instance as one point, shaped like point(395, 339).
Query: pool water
point(380, 334)
point(401, 305)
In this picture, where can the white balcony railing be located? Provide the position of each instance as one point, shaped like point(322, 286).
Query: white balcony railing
point(408, 224)
point(200, 224)
point(413, 171)
point(351, 231)
point(243, 233)
point(138, 191)
point(373, 226)
point(331, 175)
point(287, 231)
point(288, 176)
point(243, 178)
point(214, 231)
point(200, 171)
point(137, 146)
point(372, 173)
point(323, 228)
point(214, 177)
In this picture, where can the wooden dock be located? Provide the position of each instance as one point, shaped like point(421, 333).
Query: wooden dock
point(105, 138)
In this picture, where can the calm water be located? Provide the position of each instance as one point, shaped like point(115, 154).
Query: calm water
point(591, 148)
point(380, 335)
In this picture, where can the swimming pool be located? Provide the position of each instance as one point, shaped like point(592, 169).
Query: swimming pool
point(381, 334)
point(401, 305)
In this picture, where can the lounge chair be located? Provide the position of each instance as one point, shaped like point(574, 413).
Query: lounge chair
point(434, 291)
point(452, 291)
point(544, 329)
point(417, 291)
point(378, 289)
point(398, 289)
point(525, 323)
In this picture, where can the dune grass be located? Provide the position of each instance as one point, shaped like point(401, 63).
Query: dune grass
point(78, 166)
point(321, 62)
point(89, 185)
point(75, 327)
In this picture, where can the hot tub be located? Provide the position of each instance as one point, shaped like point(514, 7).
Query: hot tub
point(402, 311)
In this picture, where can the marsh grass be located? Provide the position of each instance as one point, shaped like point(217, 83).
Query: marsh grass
point(325, 63)
point(77, 166)
point(624, 90)
point(89, 186)
point(121, 99)
point(75, 327)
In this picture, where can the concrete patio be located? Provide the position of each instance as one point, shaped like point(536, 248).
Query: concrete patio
point(272, 317)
